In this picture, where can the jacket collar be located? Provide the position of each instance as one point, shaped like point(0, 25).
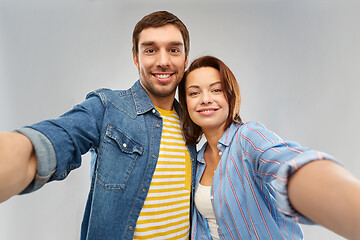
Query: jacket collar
point(142, 100)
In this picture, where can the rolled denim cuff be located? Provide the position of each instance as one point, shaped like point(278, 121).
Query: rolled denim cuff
point(46, 158)
point(281, 182)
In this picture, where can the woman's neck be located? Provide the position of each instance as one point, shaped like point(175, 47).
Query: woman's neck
point(213, 136)
point(211, 155)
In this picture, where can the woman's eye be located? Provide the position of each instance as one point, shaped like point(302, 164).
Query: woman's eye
point(217, 90)
point(193, 93)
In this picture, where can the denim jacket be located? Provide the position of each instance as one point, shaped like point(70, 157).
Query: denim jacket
point(123, 130)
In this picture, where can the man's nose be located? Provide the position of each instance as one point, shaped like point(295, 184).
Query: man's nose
point(163, 59)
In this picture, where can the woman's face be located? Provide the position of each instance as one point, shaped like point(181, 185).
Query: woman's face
point(206, 102)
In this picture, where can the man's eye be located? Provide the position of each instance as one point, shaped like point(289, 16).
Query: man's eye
point(149, 50)
point(174, 50)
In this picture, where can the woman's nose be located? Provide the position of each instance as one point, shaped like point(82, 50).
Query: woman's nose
point(206, 98)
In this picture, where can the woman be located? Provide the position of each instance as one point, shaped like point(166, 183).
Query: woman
point(243, 188)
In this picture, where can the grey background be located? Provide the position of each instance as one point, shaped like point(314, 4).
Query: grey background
point(297, 63)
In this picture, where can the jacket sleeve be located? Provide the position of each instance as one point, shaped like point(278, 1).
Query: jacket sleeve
point(274, 160)
point(59, 143)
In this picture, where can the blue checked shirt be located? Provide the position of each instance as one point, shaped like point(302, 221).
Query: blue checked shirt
point(249, 193)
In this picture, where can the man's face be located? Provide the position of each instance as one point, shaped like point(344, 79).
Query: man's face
point(161, 61)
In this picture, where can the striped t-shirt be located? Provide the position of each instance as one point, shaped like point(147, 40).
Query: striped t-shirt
point(165, 214)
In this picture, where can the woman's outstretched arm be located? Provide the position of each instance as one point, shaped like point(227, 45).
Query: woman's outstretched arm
point(328, 194)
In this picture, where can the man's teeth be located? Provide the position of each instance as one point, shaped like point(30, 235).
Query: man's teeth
point(162, 75)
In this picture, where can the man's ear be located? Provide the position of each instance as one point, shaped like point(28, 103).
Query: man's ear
point(136, 61)
point(186, 61)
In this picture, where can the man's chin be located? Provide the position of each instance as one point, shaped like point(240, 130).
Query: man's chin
point(163, 91)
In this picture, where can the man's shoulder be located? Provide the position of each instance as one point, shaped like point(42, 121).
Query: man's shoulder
point(132, 101)
point(118, 98)
point(108, 91)
point(108, 94)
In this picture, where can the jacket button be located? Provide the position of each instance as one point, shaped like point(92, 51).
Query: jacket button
point(144, 190)
point(153, 110)
point(124, 145)
point(153, 156)
point(130, 228)
point(157, 125)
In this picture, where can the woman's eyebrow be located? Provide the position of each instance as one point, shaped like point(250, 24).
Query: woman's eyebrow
point(212, 84)
point(197, 86)
point(193, 86)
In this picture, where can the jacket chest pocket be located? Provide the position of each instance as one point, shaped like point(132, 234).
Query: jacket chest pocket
point(117, 158)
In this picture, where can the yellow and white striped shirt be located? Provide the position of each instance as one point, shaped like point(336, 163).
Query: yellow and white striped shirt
point(165, 214)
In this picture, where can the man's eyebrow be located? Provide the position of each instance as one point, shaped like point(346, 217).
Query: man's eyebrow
point(152, 43)
point(149, 43)
point(176, 43)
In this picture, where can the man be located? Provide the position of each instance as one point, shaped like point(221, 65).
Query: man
point(141, 180)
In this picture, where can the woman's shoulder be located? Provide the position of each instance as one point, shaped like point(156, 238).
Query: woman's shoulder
point(255, 131)
point(251, 126)
point(243, 130)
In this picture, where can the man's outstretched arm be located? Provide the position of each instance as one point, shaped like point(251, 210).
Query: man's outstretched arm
point(17, 164)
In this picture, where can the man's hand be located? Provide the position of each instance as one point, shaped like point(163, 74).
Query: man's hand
point(17, 164)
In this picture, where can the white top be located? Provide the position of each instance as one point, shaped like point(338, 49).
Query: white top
point(203, 204)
